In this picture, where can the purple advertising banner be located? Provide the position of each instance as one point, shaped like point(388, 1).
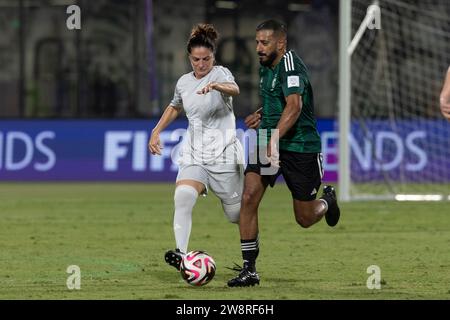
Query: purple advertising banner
point(110, 150)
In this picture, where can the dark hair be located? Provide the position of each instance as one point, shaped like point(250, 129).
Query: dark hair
point(277, 27)
point(203, 35)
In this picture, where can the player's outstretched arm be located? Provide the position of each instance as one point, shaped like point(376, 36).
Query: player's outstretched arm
point(170, 114)
point(445, 97)
point(228, 88)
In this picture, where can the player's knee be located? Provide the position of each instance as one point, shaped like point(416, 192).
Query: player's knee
point(185, 195)
point(249, 198)
point(232, 211)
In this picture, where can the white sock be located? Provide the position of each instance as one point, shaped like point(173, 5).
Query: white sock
point(325, 203)
point(185, 198)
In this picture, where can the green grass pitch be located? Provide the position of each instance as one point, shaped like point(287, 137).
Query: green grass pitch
point(117, 234)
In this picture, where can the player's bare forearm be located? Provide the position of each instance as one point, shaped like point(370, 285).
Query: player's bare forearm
point(154, 144)
point(170, 114)
point(290, 114)
point(228, 88)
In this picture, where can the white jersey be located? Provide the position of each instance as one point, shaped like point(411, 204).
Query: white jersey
point(211, 135)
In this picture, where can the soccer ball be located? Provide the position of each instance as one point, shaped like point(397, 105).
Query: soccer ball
point(197, 268)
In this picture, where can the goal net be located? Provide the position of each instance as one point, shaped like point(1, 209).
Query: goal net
point(399, 141)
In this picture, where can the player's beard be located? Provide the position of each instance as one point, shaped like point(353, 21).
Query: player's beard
point(270, 59)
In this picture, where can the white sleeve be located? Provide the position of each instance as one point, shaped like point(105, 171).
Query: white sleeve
point(225, 75)
point(177, 101)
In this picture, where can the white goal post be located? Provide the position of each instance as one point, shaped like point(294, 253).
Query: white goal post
point(393, 141)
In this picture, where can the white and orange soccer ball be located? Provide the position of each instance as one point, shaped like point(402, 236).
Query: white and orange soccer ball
point(197, 268)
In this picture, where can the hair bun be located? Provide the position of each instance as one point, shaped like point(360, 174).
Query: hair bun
point(203, 35)
point(205, 30)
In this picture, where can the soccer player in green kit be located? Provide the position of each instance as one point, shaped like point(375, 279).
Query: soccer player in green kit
point(288, 107)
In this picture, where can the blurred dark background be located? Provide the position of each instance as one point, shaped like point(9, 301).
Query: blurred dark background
point(128, 55)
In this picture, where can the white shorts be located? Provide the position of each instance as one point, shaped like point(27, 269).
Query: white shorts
point(227, 185)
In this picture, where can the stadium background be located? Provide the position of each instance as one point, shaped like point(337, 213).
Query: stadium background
point(127, 57)
point(124, 63)
point(62, 91)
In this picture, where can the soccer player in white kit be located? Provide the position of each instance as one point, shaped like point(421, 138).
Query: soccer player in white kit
point(210, 157)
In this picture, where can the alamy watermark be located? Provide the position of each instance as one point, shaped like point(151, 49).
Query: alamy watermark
point(74, 280)
point(374, 280)
point(74, 20)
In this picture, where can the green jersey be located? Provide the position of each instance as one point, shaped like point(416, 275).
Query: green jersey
point(288, 77)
